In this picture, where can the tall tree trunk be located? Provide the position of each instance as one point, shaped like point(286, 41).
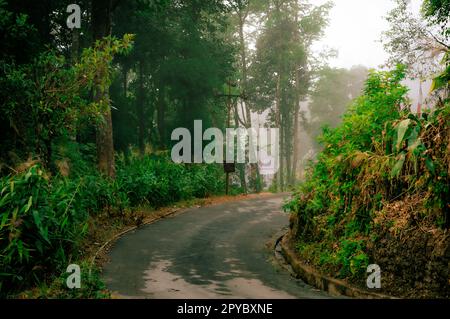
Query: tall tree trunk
point(75, 49)
point(296, 143)
point(286, 126)
point(101, 27)
point(288, 145)
point(244, 67)
point(279, 115)
point(279, 125)
point(125, 81)
point(254, 169)
point(240, 166)
point(162, 117)
point(140, 110)
point(296, 106)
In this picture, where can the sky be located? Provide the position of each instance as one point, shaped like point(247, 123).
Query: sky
point(355, 30)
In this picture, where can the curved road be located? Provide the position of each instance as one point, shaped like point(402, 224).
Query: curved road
point(218, 251)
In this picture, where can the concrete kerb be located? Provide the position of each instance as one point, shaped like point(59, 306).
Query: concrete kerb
point(312, 277)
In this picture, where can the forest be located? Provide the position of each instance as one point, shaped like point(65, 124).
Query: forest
point(90, 95)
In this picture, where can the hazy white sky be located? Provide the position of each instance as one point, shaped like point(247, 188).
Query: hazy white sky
point(355, 30)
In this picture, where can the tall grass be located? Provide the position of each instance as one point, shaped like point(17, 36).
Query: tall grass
point(44, 219)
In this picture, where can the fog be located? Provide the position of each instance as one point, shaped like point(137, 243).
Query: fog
point(355, 29)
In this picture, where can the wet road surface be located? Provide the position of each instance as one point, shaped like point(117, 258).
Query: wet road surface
point(218, 251)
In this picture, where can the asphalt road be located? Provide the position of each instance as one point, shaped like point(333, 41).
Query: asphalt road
point(218, 251)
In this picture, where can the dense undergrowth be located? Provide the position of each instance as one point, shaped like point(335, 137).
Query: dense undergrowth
point(53, 108)
point(45, 218)
point(382, 178)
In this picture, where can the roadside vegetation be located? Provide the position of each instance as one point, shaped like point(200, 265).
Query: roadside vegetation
point(46, 218)
point(381, 183)
point(84, 134)
point(379, 191)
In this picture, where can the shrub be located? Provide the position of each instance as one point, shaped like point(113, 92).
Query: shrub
point(352, 257)
point(43, 219)
point(157, 181)
point(381, 153)
point(40, 226)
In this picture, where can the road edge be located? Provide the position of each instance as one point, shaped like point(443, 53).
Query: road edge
point(311, 276)
point(107, 245)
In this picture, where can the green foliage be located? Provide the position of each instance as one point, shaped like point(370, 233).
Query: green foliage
point(379, 154)
point(352, 258)
point(95, 67)
point(40, 226)
point(92, 287)
point(331, 183)
point(16, 32)
point(442, 80)
point(151, 180)
point(280, 75)
point(181, 60)
point(438, 13)
point(46, 99)
point(43, 219)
